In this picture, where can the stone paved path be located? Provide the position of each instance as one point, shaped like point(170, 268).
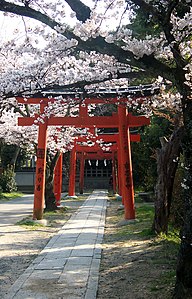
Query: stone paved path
point(68, 267)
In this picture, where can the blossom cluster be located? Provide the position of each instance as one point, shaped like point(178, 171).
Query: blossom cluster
point(36, 59)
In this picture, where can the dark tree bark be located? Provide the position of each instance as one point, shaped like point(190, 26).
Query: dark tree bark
point(14, 157)
point(183, 287)
point(167, 162)
point(50, 201)
point(9, 155)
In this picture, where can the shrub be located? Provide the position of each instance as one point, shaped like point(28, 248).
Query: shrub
point(7, 181)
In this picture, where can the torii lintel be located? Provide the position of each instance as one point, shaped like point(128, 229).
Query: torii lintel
point(88, 122)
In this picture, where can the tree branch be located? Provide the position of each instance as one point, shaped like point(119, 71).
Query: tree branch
point(163, 19)
point(94, 44)
point(75, 85)
point(171, 7)
point(82, 11)
point(26, 11)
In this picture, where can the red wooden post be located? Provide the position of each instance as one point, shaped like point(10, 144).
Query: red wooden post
point(83, 110)
point(126, 170)
point(82, 167)
point(119, 170)
point(39, 191)
point(58, 180)
point(72, 173)
point(114, 174)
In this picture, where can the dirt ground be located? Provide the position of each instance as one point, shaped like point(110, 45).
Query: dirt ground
point(128, 270)
point(133, 266)
point(20, 245)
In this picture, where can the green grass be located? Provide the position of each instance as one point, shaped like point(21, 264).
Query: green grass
point(169, 245)
point(58, 212)
point(142, 225)
point(166, 281)
point(9, 196)
point(30, 224)
point(52, 217)
point(144, 212)
point(165, 248)
point(172, 236)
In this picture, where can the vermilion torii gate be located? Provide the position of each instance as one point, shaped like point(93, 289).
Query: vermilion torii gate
point(121, 120)
point(82, 156)
point(83, 149)
point(95, 152)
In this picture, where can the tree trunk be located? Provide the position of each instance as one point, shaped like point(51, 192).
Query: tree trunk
point(167, 162)
point(14, 157)
point(183, 287)
point(50, 201)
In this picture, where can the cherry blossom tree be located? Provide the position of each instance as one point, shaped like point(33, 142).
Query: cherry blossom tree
point(60, 140)
point(86, 52)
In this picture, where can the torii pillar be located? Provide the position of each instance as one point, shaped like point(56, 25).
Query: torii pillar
point(39, 192)
point(82, 167)
point(126, 168)
point(58, 180)
point(119, 165)
point(72, 173)
point(114, 174)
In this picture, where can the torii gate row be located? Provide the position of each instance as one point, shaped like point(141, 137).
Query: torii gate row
point(121, 120)
point(98, 151)
point(58, 169)
point(83, 152)
point(73, 157)
point(82, 156)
